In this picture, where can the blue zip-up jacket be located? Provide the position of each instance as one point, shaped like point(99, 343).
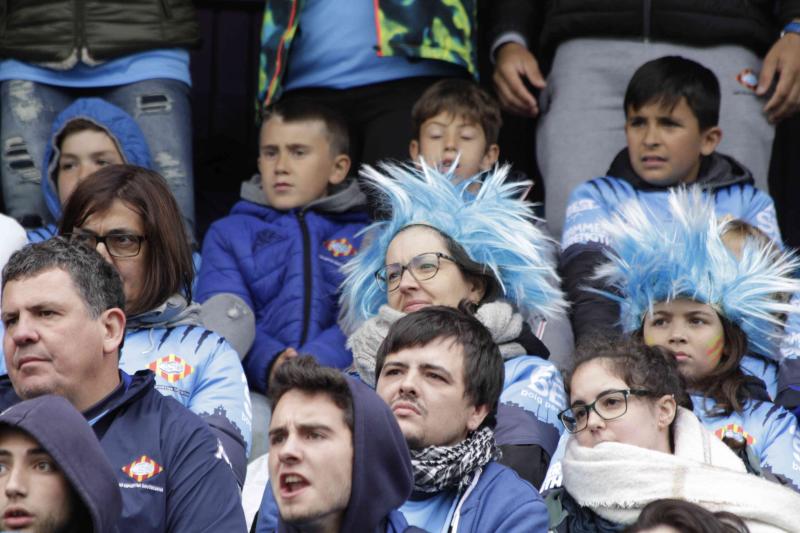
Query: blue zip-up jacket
point(498, 500)
point(171, 469)
point(595, 202)
point(201, 370)
point(283, 266)
point(117, 124)
point(381, 478)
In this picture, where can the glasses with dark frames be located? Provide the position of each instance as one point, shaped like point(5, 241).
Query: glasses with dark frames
point(117, 244)
point(608, 406)
point(422, 267)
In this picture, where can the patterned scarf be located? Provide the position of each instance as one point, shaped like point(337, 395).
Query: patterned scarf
point(440, 467)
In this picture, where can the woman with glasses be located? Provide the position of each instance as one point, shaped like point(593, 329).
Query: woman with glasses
point(634, 440)
point(446, 246)
point(129, 216)
point(719, 309)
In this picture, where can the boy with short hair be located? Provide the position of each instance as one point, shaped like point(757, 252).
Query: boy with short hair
point(671, 116)
point(270, 269)
point(455, 118)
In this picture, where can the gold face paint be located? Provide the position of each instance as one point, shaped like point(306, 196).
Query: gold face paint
point(649, 340)
point(714, 351)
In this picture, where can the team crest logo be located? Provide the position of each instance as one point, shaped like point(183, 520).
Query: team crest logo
point(171, 367)
point(747, 78)
point(142, 469)
point(735, 431)
point(340, 247)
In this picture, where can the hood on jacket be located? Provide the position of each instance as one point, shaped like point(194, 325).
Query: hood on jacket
point(382, 476)
point(716, 170)
point(117, 124)
point(342, 198)
point(63, 432)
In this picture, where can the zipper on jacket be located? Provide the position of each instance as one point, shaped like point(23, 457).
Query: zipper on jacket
point(647, 9)
point(165, 9)
point(306, 275)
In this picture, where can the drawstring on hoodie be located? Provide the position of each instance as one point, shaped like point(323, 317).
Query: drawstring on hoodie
point(457, 514)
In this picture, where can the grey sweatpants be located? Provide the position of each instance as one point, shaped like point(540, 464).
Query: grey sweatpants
point(582, 121)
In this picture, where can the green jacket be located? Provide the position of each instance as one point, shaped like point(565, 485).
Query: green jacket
point(58, 33)
point(426, 29)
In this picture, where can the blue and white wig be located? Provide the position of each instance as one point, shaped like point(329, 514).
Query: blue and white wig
point(494, 226)
point(651, 261)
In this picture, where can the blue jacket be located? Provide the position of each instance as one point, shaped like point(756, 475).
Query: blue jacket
point(381, 480)
point(788, 393)
point(770, 431)
point(170, 467)
point(200, 370)
point(284, 266)
point(595, 202)
point(117, 124)
point(498, 501)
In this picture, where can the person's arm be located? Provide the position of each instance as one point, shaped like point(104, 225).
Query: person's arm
point(778, 452)
point(222, 399)
point(268, 514)
point(760, 212)
point(517, 71)
point(585, 243)
point(781, 69)
point(329, 348)
point(202, 494)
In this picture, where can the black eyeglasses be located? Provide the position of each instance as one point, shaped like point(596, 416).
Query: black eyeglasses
point(422, 267)
point(608, 406)
point(117, 244)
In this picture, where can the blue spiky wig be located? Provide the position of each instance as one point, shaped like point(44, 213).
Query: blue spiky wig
point(494, 226)
point(653, 261)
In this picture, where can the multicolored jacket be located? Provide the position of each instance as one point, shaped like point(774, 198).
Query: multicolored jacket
point(424, 29)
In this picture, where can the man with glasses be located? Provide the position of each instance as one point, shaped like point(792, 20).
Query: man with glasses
point(441, 373)
point(63, 315)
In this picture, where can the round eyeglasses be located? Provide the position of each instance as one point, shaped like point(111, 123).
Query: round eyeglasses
point(608, 406)
point(117, 244)
point(422, 267)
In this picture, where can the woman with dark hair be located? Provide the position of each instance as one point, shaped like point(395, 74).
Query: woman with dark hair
point(678, 516)
point(445, 245)
point(719, 311)
point(129, 216)
point(633, 440)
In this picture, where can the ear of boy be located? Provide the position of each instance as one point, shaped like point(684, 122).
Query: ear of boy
point(339, 169)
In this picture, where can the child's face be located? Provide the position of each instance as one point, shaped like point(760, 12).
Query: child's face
point(665, 145)
point(82, 153)
point(444, 136)
point(296, 163)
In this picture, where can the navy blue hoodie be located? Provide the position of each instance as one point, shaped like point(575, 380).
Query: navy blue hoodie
point(382, 476)
point(61, 430)
point(169, 467)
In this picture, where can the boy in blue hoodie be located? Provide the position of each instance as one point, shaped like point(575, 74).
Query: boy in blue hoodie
point(87, 135)
point(270, 271)
point(671, 116)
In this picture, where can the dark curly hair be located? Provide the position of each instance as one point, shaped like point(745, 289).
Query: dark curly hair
point(635, 363)
point(686, 517)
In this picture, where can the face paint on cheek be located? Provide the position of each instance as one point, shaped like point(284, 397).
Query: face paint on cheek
point(649, 341)
point(714, 351)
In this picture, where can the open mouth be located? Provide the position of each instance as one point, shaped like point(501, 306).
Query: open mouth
point(653, 160)
point(292, 484)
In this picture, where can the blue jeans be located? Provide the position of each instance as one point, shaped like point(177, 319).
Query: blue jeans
point(161, 107)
